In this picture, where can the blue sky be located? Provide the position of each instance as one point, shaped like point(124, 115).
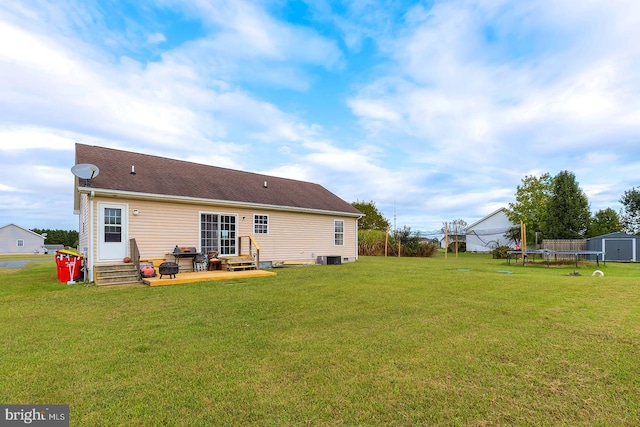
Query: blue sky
point(434, 110)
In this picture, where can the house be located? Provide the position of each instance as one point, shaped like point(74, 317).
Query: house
point(18, 240)
point(163, 203)
point(617, 247)
point(488, 233)
point(452, 238)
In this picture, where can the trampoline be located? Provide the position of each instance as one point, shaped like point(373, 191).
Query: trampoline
point(547, 254)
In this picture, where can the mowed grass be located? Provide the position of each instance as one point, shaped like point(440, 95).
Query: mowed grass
point(383, 341)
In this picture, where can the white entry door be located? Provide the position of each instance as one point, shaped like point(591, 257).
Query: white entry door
point(112, 231)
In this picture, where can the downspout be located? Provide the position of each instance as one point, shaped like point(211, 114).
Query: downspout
point(91, 236)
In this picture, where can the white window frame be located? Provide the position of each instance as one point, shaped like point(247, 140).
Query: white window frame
point(338, 232)
point(265, 224)
point(225, 235)
point(20, 243)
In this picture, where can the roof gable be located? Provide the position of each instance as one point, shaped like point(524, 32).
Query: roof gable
point(163, 176)
point(501, 211)
point(22, 229)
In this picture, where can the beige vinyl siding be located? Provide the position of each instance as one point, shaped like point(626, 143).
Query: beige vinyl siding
point(160, 226)
point(303, 236)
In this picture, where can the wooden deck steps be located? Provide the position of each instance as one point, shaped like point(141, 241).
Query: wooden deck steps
point(238, 263)
point(116, 274)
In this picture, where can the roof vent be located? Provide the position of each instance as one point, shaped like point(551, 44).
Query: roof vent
point(265, 184)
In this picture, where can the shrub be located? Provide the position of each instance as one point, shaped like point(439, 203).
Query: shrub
point(371, 242)
point(462, 247)
point(500, 252)
point(427, 249)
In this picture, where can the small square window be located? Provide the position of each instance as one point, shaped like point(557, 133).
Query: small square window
point(261, 224)
point(20, 243)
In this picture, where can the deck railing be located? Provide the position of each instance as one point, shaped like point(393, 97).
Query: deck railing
point(135, 256)
point(256, 255)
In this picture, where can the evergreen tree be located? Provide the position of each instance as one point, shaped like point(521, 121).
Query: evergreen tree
point(67, 238)
point(568, 209)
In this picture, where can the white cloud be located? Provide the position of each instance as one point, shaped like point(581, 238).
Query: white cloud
point(474, 102)
point(58, 91)
point(245, 44)
point(160, 103)
point(156, 38)
point(36, 138)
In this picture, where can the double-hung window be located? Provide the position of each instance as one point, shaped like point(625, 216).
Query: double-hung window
point(113, 225)
point(20, 243)
point(261, 224)
point(338, 232)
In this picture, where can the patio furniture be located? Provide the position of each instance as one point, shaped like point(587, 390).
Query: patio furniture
point(214, 261)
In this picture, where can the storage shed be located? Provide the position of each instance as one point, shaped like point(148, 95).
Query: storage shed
point(618, 247)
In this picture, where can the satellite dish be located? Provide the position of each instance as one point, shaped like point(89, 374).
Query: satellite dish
point(85, 171)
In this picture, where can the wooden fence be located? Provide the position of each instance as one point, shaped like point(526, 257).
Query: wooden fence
point(565, 245)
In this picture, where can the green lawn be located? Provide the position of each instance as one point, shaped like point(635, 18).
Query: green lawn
point(378, 342)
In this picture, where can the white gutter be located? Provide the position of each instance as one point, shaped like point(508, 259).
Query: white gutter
point(202, 201)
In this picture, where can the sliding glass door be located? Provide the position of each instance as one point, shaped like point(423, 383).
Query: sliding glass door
point(218, 233)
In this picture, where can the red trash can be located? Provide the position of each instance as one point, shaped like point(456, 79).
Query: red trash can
point(69, 265)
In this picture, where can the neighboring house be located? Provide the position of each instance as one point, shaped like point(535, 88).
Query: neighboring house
point(488, 233)
point(163, 203)
point(18, 240)
point(619, 247)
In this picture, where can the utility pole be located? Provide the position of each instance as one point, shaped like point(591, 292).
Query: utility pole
point(395, 228)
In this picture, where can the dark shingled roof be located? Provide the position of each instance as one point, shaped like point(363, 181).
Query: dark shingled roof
point(159, 175)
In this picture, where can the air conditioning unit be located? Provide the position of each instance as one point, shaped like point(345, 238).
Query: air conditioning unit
point(329, 260)
point(334, 260)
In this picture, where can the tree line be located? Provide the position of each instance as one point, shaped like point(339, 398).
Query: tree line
point(68, 238)
point(552, 207)
point(557, 208)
